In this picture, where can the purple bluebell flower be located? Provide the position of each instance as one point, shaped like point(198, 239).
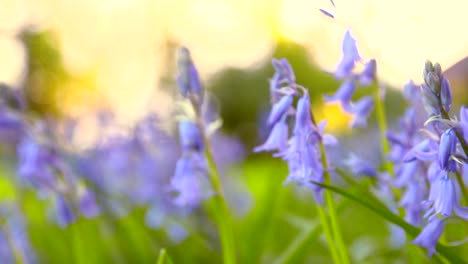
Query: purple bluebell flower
point(448, 143)
point(443, 197)
point(190, 136)
point(15, 246)
point(368, 75)
point(412, 199)
point(464, 122)
point(64, 210)
point(430, 235)
point(445, 95)
point(188, 79)
point(284, 71)
point(360, 166)
point(87, 204)
point(190, 180)
point(35, 163)
point(411, 91)
point(277, 140)
point(344, 94)
point(426, 150)
point(349, 57)
point(280, 109)
point(361, 110)
point(301, 151)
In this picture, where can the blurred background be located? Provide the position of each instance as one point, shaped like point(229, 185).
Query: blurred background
point(78, 58)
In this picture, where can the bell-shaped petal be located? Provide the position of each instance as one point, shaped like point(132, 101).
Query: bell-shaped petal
point(349, 57)
point(277, 140)
point(344, 93)
point(190, 136)
point(279, 109)
point(368, 75)
point(447, 147)
point(430, 235)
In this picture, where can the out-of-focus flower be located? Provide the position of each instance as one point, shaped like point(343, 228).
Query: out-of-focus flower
point(345, 71)
point(14, 241)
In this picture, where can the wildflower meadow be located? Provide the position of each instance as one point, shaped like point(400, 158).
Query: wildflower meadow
point(284, 163)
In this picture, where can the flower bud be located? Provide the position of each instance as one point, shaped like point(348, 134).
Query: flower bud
point(445, 95)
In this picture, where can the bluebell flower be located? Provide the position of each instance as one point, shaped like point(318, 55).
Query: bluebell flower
point(284, 71)
point(448, 143)
point(412, 199)
point(64, 210)
point(188, 80)
point(426, 150)
point(349, 57)
point(368, 75)
point(463, 124)
point(407, 172)
point(430, 235)
point(361, 111)
point(277, 140)
point(190, 180)
point(301, 151)
point(280, 109)
point(15, 245)
point(87, 204)
point(344, 94)
point(445, 95)
point(443, 197)
point(360, 166)
point(190, 136)
point(34, 164)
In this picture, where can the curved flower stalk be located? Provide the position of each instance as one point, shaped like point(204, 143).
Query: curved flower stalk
point(302, 147)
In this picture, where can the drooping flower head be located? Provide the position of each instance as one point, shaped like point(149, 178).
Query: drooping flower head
point(301, 149)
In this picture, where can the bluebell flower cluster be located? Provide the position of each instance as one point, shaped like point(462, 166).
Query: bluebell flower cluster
point(345, 71)
point(409, 171)
point(299, 145)
point(433, 158)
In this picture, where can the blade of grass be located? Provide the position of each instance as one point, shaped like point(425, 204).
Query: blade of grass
point(393, 218)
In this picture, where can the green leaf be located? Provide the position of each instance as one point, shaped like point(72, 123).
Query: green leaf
point(393, 218)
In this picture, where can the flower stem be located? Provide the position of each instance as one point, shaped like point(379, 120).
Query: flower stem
point(220, 210)
point(342, 250)
point(328, 234)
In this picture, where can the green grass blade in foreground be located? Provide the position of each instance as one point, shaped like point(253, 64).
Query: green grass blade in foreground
point(307, 235)
point(163, 257)
point(393, 218)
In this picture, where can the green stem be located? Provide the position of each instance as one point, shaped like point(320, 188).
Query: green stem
point(342, 250)
point(382, 121)
point(306, 236)
point(328, 234)
point(462, 186)
point(220, 210)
